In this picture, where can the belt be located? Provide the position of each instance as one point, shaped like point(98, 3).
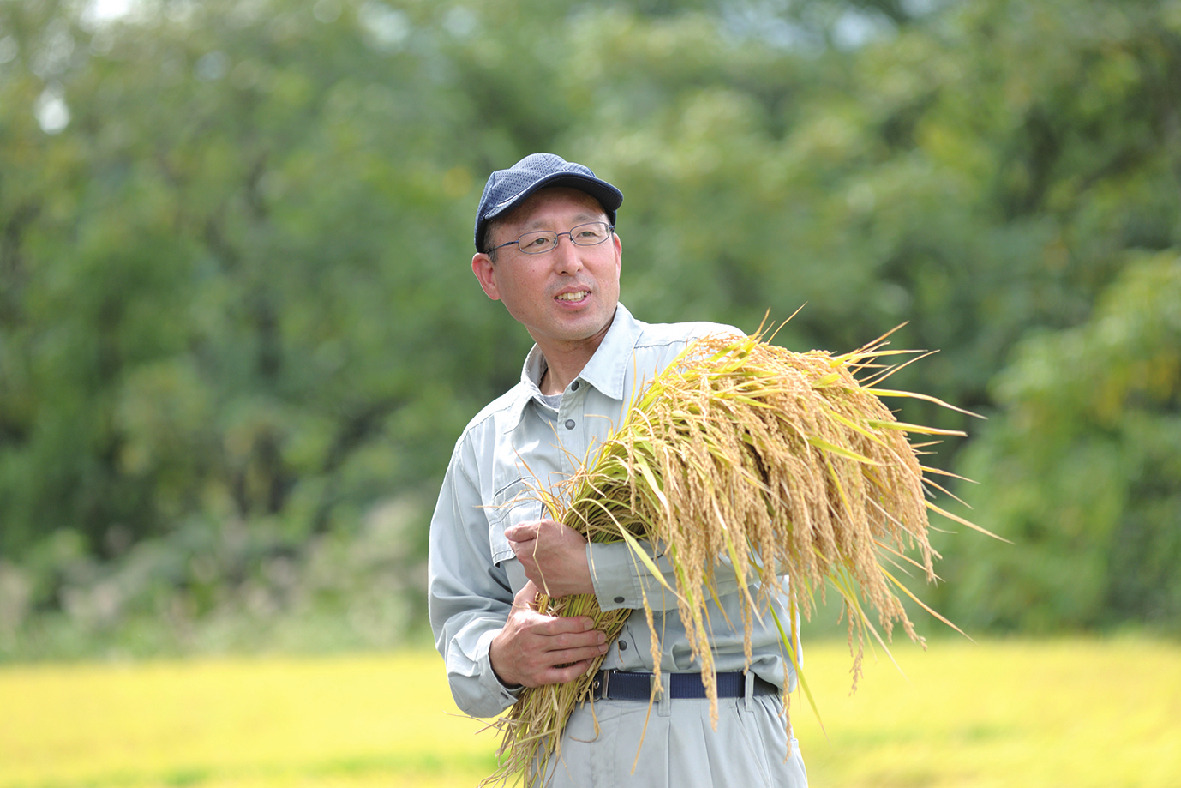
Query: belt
point(637, 685)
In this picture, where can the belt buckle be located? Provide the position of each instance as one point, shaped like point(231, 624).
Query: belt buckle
point(606, 680)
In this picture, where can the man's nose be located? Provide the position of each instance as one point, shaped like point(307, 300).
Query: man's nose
point(566, 254)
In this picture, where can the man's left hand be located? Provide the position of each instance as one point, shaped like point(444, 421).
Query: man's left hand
point(553, 556)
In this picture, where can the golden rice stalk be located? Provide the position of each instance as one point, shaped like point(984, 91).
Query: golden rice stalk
point(782, 462)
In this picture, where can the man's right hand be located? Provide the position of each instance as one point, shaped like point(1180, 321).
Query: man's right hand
point(535, 649)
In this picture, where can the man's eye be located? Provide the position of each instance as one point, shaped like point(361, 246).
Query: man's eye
point(534, 240)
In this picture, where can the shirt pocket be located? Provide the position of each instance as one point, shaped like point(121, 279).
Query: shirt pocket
point(513, 503)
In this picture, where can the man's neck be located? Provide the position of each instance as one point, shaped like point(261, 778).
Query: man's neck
point(565, 363)
point(558, 376)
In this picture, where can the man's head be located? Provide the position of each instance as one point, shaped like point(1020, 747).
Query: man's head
point(506, 189)
point(557, 269)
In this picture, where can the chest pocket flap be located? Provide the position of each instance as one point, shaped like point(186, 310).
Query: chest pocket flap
point(514, 503)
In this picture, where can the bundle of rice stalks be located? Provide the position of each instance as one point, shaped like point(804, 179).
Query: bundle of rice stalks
point(781, 463)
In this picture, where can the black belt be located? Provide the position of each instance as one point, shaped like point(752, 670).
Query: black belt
point(637, 685)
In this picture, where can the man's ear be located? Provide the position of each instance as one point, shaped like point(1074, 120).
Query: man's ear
point(485, 273)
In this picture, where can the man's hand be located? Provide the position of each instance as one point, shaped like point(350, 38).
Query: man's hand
point(535, 649)
point(553, 556)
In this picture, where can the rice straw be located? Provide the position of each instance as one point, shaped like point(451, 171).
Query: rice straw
point(780, 462)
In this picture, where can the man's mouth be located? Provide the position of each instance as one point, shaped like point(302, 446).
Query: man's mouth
point(575, 295)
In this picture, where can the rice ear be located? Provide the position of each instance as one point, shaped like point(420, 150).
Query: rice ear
point(778, 462)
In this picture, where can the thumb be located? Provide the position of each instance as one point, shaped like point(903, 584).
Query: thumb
point(527, 596)
point(521, 532)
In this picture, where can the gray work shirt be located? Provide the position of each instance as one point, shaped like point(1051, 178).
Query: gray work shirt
point(519, 442)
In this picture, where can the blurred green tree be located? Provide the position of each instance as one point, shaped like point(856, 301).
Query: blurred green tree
point(1085, 465)
point(234, 290)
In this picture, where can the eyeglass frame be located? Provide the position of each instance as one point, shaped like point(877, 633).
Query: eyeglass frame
point(557, 238)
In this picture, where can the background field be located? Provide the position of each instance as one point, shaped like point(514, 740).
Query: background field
point(1065, 713)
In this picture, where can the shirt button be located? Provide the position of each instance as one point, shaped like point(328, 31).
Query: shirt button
point(619, 600)
point(623, 645)
point(574, 385)
point(569, 424)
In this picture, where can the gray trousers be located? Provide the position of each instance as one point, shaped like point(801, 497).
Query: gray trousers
point(749, 749)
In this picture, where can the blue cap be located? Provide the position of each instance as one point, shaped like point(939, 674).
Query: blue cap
point(506, 189)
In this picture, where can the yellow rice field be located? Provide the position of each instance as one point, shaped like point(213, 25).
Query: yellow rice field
point(1071, 713)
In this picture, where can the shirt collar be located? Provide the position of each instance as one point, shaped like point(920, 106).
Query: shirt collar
point(608, 367)
point(606, 370)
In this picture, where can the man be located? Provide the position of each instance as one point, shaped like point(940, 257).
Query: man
point(546, 248)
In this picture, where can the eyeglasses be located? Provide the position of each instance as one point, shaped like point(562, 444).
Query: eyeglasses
point(542, 241)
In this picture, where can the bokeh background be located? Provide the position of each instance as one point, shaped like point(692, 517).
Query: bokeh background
point(239, 334)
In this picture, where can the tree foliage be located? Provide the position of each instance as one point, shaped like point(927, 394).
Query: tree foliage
point(234, 241)
point(1089, 470)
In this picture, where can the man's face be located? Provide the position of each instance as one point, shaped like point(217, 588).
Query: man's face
point(564, 296)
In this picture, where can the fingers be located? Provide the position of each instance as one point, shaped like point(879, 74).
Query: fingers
point(570, 639)
point(523, 532)
point(568, 672)
point(568, 656)
point(552, 555)
point(535, 649)
point(567, 630)
point(524, 540)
